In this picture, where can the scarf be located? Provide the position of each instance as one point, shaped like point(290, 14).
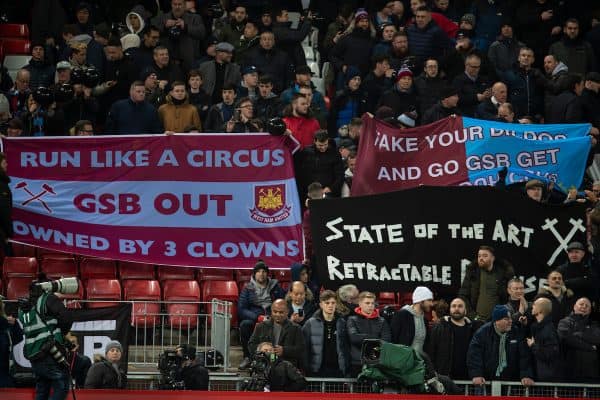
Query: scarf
point(501, 352)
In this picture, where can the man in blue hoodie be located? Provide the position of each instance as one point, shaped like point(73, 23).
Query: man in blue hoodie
point(254, 304)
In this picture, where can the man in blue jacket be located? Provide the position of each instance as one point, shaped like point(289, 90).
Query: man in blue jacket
point(254, 304)
point(134, 115)
point(499, 352)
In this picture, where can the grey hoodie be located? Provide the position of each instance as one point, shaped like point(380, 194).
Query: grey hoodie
point(140, 11)
point(263, 295)
point(420, 329)
point(560, 67)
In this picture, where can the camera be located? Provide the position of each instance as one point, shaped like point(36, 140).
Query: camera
point(301, 312)
point(260, 370)
point(43, 96)
point(63, 93)
point(63, 286)
point(88, 77)
point(276, 126)
point(314, 16)
point(175, 32)
point(169, 365)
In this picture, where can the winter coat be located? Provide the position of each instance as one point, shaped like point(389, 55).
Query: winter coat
point(327, 168)
point(248, 306)
point(80, 108)
point(290, 40)
point(560, 308)
point(313, 331)
point(284, 376)
point(303, 128)
point(555, 84)
point(503, 53)
point(532, 29)
point(16, 335)
point(482, 356)
point(290, 338)
point(526, 91)
point(546, 351)
point(440, 345)
point(41, 74)
point(128, 118)
point(468, 90)
point(399, 101)
point(176, 118)
point(565, 109)
point(360, 328)
point(273, 62)
point(487, 110)
point(187, 46)
point(469, 290)
point(267, 108)
point(353, 49)
point(195, 376)
point(243, 47)
point(373, 87)
point(577, 54)
point(580, 278)
point(580, 338)
point(430, 41)
point(102, 375)
point(231, 32)
point(428, 90)
point(209, 72)
point(403, 327)
point(345, 106)
point(308, 308)
point(171, 73)
point(489, 17)
point(437, 112)
point(6, 205)
point(590, 103)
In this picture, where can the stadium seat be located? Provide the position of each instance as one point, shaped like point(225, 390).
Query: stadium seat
point(23, 250)
point(218, 274)
point(243, 276)
point(47, 253)
point(386, 298)
point(14, 62)
point(18, 287)
point(16, 46)
point(56, 268)
point(282, 275)
point(14, 31)
point(93, 268)
point(319, 84)
point(19, 267)
point(294, 18)
point(221, 290)
point(404, 298)
point(98, 291)
point(314, 67)
point(132, 270)
point(182, 315)
point(73, 301)
point(166, 272)
point(145, 295)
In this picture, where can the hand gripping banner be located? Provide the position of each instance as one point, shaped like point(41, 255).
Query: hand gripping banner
point(219, 200)
point(465, 151)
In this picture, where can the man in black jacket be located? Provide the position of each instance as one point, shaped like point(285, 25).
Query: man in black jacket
point(445, 107)
point(270, 60)
point(544, 342)
point(566, 107)
point(288, 39)
point(283, 376)
point(498, 352)
point(408, 325)
point(449, 341)
point(577, 273)
point(194, 375)
point(590, 100)
point(286, 336)
point(473, 88)
point(377, 81)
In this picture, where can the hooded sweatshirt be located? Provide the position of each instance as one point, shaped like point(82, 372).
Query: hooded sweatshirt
point(420, 329)
point(139, 11)
point(263, 295)
point(560, 67)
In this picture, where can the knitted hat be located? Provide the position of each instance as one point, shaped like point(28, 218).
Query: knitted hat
point(420, 294)
point(361, 13)
point(351, 72)
point(403, 72)
point(130, 40)
point(113, 344)
point(469, 18)
point(500, 312)
point(260, 264)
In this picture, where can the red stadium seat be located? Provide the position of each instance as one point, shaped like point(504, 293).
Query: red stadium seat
point(47, 253)
point(102, 290)
point(16, 46)
point(283, 275)
point(221, 290)
point(14, 31)
point(218, 274)
point(243, 276)
point(17, 287)
point(56, 268)
point(166, 272)
point(182, 315)
point(386, 298)
point(404, 298)
point(94, 268)
point(132, 270)
point(145, 295)
point(19, 267)
point(72, 301)
point(23, 250)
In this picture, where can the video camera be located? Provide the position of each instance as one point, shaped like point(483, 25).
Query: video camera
point(260, 370)
point(169, 365)
point(314, 16)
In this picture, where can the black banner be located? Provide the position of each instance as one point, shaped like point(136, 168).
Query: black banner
point(94, 328)
point(428, 235)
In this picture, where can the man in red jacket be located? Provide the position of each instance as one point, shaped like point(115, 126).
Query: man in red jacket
point(300, 122)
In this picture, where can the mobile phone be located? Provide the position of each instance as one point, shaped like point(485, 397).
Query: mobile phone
point(236, 115)
point(301, 312)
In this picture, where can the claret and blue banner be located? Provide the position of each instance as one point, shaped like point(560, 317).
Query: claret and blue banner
point(465, 151)
point(214, 200)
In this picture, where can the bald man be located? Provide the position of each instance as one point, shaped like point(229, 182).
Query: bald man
point(300, 306)
point(488, 109)
point(544, 343)
point(285, 335)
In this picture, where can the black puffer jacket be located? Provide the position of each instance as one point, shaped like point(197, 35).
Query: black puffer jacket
point(360, 328)
point(313, 331)
point(353, 49)
point(579, 339)
point(103, 375)
point(546, 351)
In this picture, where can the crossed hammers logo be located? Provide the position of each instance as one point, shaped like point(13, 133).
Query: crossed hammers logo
point(36, 197)
point(576, 225)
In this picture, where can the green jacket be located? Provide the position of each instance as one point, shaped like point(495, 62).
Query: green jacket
point(38, 328)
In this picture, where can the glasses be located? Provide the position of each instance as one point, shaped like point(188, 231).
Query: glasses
point(247, 106)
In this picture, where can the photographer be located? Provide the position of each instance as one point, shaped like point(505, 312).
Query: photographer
point(105, 372)
point(45, 320)
point(273, 374)
point(194, 375)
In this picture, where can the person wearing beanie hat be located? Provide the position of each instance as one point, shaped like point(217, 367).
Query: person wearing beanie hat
point(402, 97)
point(408, 325)
point(255, 302)
point(41, 73)
point(469, 20)
point(354, 46)
point(498, 351)
point(106, 373)
point(485, 283)
point(360, 14)
point(445, 107)
point(349, 102)
point(577, 273)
